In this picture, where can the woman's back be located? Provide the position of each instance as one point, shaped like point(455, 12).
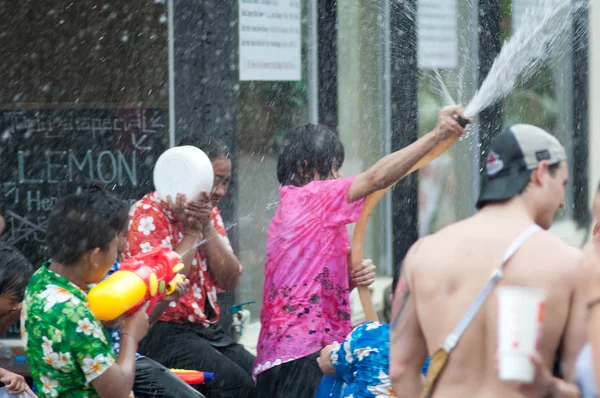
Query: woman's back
point(306, 298)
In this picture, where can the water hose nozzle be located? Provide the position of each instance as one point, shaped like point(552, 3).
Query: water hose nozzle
point(461, 120)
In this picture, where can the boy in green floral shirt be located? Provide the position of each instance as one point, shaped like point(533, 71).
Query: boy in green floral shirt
point(68, 350)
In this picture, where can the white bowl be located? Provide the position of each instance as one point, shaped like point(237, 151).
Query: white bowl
point(183, 169)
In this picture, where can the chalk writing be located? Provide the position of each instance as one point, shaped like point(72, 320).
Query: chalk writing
point(47, 154)
point(21, 228)
point(54, 125)
point(138, 140)
point(106, 166)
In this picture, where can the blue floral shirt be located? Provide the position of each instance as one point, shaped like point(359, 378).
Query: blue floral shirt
point(362, 361)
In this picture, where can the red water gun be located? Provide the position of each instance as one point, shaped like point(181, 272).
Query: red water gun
point(192, 377)
point(146, 277)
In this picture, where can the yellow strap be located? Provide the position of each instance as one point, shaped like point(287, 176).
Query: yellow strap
point(436, 366)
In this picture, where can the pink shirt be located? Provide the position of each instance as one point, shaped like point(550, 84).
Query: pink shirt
point(306, 297)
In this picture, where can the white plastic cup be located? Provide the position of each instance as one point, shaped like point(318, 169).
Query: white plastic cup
point(520, 317)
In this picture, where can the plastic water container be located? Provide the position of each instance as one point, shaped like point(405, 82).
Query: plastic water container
point(183, 169)
point(6, 394)
point(330, 387)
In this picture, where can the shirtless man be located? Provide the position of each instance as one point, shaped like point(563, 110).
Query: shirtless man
point(526, 174)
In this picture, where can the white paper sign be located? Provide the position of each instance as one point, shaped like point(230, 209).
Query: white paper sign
point(270, 40)
point(436, 34)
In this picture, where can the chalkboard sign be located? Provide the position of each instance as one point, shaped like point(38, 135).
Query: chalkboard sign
point(45, 154)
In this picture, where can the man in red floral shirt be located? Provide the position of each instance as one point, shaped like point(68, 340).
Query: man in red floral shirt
point(187, 335)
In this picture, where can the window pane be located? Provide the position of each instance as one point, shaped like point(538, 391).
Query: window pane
point(544, 99)
point(267, 111)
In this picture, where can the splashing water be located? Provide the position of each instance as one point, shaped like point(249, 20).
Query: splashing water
point(246, 220)
point(443, 89)
point(541, 34)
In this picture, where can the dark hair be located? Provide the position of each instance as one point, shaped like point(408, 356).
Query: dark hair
point(305, 149)
point(553, 169)
point(211, 146)
point(15, 271)
point(90, 218)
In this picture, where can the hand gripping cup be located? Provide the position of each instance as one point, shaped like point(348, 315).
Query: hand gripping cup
point(520, 317)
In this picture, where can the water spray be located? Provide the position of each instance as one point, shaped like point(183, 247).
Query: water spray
point(540, 35)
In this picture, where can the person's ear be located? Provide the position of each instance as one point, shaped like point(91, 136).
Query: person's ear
point(94, 257)
point(537, 177)
point(596, 231)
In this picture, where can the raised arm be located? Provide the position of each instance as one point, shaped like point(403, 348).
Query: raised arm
point(193, 223)
point(222, 263)
point(393, 167)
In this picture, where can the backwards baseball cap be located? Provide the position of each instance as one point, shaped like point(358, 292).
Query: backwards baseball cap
point(512, 156)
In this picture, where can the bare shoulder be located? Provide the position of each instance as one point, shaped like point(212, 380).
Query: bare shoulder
point(566, 258)
point(445, 237)
point(557, 247)
point(417, 250)
point(429, 246)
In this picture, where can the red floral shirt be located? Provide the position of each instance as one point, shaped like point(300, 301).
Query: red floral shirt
point(152, 224)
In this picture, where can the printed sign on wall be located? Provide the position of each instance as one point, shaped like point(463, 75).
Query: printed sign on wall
point(270, 40)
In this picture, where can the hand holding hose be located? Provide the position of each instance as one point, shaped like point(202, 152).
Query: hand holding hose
point(363, 274)
point(451, 125)
point(451, 122)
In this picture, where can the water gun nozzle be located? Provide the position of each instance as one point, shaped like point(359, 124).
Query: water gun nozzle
point(171, 286)
point(178, 267)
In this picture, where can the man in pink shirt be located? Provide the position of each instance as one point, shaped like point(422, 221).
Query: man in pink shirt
point(306, 299)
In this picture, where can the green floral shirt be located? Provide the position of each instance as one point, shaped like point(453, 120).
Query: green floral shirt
point(66, 346)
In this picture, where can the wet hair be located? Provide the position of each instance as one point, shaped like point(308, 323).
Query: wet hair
point(306, 149)
point(211, 146)
point(87, 219)
point(15, 271)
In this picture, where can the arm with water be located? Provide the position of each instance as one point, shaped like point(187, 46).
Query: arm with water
point(224, 266)
point(392, 168)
